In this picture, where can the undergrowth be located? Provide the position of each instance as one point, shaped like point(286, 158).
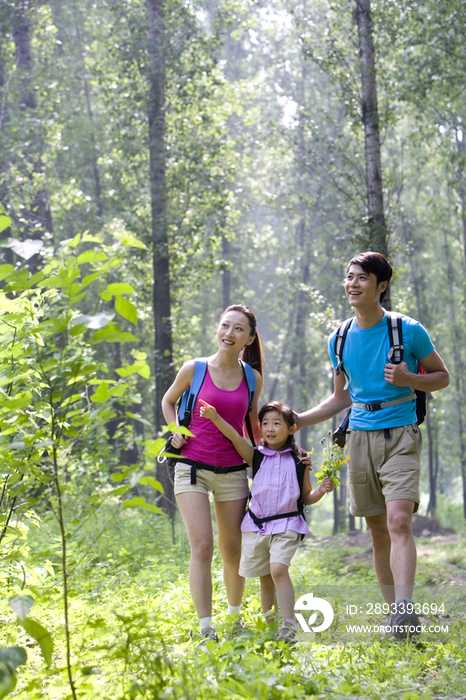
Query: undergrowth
point(134, 631)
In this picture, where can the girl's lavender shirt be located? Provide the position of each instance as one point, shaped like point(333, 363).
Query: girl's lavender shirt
point(275, 489)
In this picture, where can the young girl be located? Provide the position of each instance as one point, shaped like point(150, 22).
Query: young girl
point(219, 467)
point(269, 545)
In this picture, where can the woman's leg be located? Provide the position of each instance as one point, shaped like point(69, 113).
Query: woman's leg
point(229, 515)
point(195, 510)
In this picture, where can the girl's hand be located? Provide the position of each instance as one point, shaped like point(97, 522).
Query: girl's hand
point(207, 411)
point(326, 484)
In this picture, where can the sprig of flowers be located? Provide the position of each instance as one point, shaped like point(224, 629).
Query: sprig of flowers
point(334, 459)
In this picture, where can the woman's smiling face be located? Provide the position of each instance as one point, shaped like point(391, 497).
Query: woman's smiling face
point(234, 331)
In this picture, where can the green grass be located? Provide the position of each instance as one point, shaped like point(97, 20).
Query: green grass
point(131, 618)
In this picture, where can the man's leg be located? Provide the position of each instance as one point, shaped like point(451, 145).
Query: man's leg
point(403, 554)
point(381, 546)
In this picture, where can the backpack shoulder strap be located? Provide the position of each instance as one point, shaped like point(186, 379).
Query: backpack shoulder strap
point(251, 383)
point(340, 339)
point(300, 471)
point(395, 332)
point(256, 462)
point(188, 398)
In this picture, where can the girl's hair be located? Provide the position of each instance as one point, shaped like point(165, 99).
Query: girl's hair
point(290, 418)
point(252, 354)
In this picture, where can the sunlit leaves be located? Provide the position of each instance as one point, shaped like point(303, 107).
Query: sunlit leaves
point(43, 638)
point(21, 605)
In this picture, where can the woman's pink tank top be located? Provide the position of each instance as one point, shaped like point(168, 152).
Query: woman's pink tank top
point(209, 445)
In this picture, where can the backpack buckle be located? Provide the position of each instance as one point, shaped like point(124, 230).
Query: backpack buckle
point(373, 407)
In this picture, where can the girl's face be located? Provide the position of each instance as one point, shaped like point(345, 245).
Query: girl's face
point(275, 430)
point(234, 332)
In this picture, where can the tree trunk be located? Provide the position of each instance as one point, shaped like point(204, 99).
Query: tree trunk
point(163, 351)
point(461, 145)
point(377, 238)
point(90, 116)
point(430, 433)
point(39, 215)
point(226, 273)
point(6, 254)
point(22, 36)
point(458, 373)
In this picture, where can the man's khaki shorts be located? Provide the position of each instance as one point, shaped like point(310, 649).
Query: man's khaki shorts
point(259, 551)
point(224, 487)
point(383, 469)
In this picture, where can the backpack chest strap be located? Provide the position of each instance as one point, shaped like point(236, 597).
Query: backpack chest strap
point(260, 521)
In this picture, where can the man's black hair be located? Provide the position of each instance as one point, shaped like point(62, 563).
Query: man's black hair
point(376, 264)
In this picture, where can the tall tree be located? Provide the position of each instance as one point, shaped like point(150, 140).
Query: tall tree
point(38, 218)
point(377, 227)
point(163, 352)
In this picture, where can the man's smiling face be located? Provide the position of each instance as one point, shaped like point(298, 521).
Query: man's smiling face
point(361, 288)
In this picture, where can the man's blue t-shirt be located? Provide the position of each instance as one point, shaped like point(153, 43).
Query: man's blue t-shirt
point(365, 355)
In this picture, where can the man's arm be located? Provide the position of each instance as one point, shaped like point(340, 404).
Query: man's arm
point(329, 407)
point(436, 374)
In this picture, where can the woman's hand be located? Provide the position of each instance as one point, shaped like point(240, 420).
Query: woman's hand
point(208, 411)
point(178, 440)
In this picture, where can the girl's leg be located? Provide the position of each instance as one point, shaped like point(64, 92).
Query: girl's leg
point(268, 598)
point(229, 515)
point(195, 510)
point(285, 590)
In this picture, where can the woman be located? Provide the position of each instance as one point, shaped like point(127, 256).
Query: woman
point(225, 388)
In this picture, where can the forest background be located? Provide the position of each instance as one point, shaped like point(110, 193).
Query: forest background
point(160, 160)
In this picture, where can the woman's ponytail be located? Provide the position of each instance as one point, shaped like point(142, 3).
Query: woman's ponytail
point(252, 354)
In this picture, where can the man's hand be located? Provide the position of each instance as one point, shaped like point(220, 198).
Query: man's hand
point(398, 375)
point(307, 461)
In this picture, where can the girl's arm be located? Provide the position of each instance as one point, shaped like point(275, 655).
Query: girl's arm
point(243, 448)
point(308, 495)
point(182, 382)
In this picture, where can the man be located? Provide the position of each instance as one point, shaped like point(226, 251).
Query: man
point(384, 445)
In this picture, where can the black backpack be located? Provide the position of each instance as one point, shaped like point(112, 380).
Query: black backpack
point(395, 332)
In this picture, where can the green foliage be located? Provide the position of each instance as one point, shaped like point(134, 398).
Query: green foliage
point(10, 659)
point(140, 647)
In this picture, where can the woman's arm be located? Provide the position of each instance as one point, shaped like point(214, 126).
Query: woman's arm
point(242, 447)
point(182, 382)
